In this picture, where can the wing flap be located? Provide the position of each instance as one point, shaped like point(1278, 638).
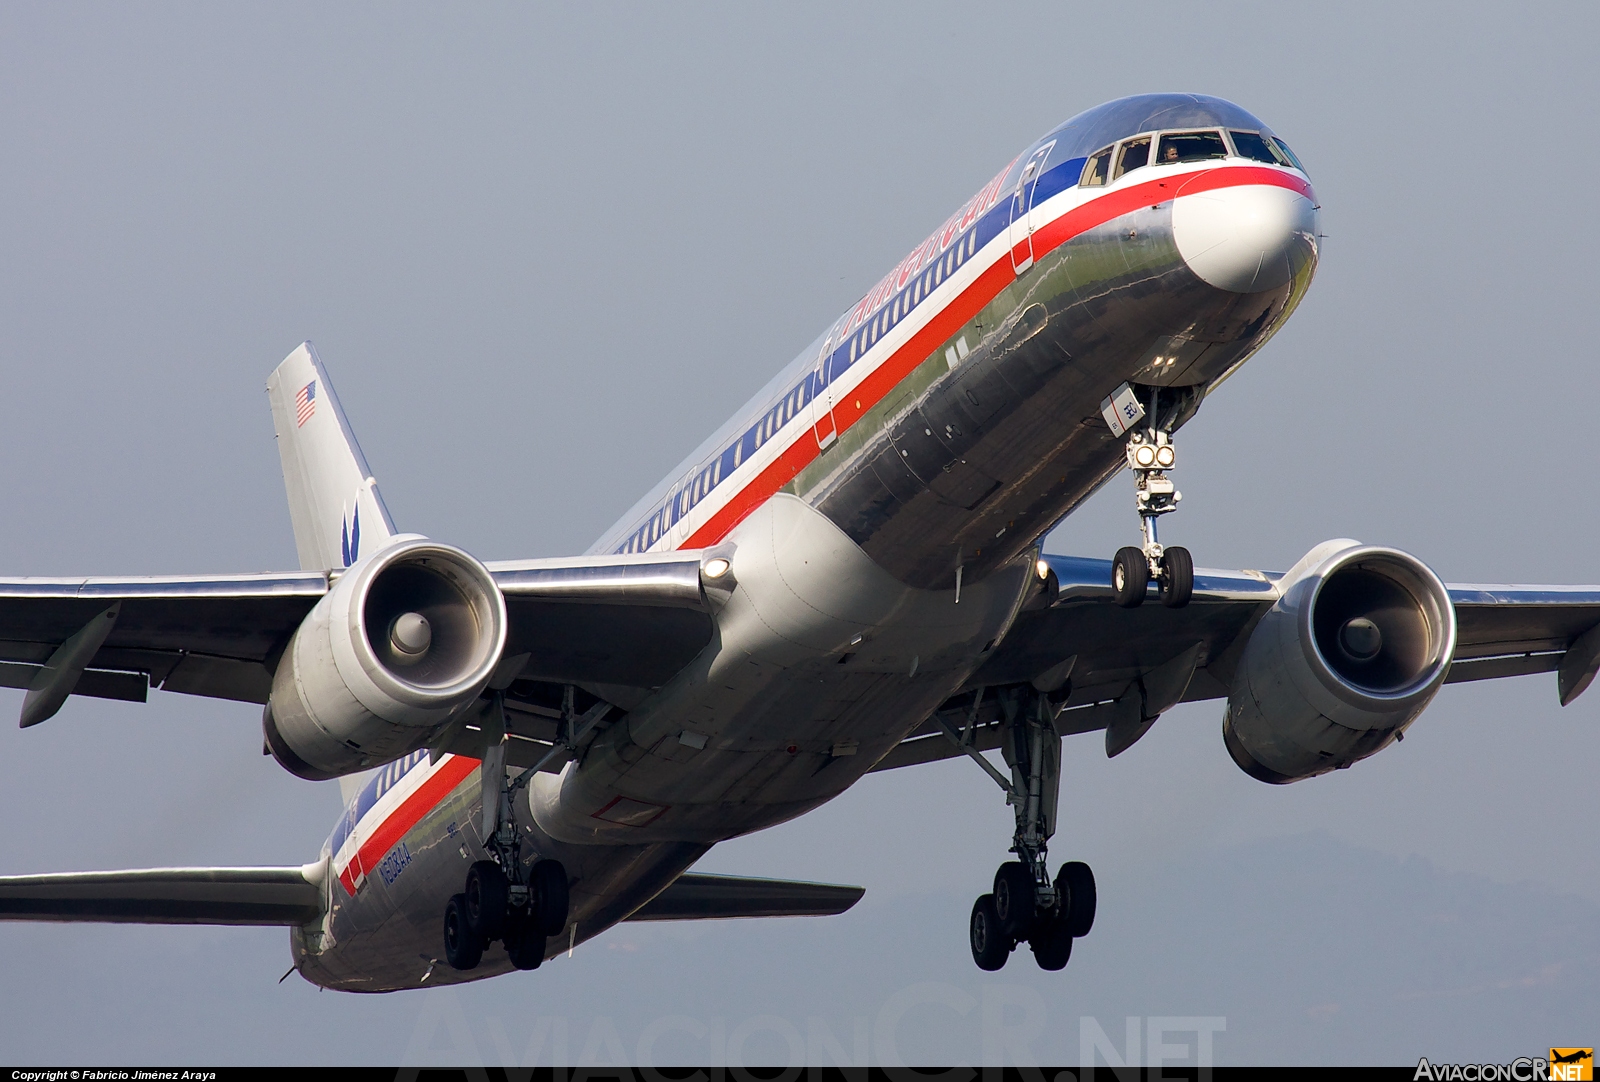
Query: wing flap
point(130, 687)
point(240, 896)
point(214, 677)
point(697, 896)
point(1494, 668)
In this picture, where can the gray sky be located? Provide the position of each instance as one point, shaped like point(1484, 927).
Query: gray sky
point(544, 251)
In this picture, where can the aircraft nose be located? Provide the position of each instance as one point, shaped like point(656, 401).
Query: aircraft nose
point(1245, 239)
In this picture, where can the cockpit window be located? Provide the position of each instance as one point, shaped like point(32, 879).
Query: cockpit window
point(1281, 145)
point(1251, 145)
point(1191, 146)
point(1096, 170)
point(1135, 154)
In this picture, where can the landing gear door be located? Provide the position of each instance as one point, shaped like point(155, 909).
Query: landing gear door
point(823, 426)
point(1021, 234)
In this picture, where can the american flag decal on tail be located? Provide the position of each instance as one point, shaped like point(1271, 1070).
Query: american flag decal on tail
point(305, 403)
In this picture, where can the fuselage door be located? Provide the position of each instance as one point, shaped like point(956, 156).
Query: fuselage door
point(1021, 235)
point(681, 505)
point(823, 425)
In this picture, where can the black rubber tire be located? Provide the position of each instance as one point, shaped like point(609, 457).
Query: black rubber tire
point(1130, 577)
point(463, 949)
point(1075, 884)
point(487, 897)
point(1051, 945)
point(524, 945)
point(548, 885)
point(1177, 585)
point(1014, 899)
point(990, 945)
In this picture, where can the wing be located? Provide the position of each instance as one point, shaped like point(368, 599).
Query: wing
point(215, 636)
point(1501, 631)
point(626, 623)
point(250, 896)
point(712, 897)
point(1515, 630)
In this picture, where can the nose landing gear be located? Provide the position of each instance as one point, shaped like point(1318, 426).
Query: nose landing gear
point(1026, 905)
point(1150, 455)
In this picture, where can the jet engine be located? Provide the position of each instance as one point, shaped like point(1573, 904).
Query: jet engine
point(402, 641)
point(1357, 645)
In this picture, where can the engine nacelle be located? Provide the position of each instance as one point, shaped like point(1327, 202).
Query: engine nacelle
point(403, 640)
point(1358, 644)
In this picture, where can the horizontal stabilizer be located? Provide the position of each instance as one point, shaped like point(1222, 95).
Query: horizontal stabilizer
point(714, 897)
point(250, 896)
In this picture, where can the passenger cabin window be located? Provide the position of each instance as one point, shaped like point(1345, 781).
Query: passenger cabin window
point(1097, 170)
point(1251, 145)
point(1135, 154)
point(1191, 146)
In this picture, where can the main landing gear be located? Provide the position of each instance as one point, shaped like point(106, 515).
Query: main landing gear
point(1027, 905)
point(503, 898)
point(493, 906)
point(1150, 455)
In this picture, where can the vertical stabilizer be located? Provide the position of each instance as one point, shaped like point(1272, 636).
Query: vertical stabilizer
point(334, 504)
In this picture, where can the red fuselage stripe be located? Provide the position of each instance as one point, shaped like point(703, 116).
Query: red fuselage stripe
point(440, 784)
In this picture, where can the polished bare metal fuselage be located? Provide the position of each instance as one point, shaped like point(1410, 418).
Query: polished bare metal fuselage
point(869, 589)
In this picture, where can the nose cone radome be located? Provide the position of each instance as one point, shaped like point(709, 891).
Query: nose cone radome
point(1245, 239)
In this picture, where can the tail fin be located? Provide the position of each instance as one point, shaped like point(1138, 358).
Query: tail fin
point(334, 504)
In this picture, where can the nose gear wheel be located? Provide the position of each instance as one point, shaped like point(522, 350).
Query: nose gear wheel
point(1151, 453)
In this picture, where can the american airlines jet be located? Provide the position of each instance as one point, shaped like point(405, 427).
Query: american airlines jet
point(846, 577)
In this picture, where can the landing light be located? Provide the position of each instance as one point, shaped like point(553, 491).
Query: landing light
point(1042, 569)
point(1144, 455)
point(716, 567)
point(1165, 455)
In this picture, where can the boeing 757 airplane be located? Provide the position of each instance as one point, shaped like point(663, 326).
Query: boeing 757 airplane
point(846, 577)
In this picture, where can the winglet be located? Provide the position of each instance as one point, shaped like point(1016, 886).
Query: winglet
point(334, 503)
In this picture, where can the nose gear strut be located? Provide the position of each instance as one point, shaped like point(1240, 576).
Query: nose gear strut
point(1026, 904)
point(1151, 454)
